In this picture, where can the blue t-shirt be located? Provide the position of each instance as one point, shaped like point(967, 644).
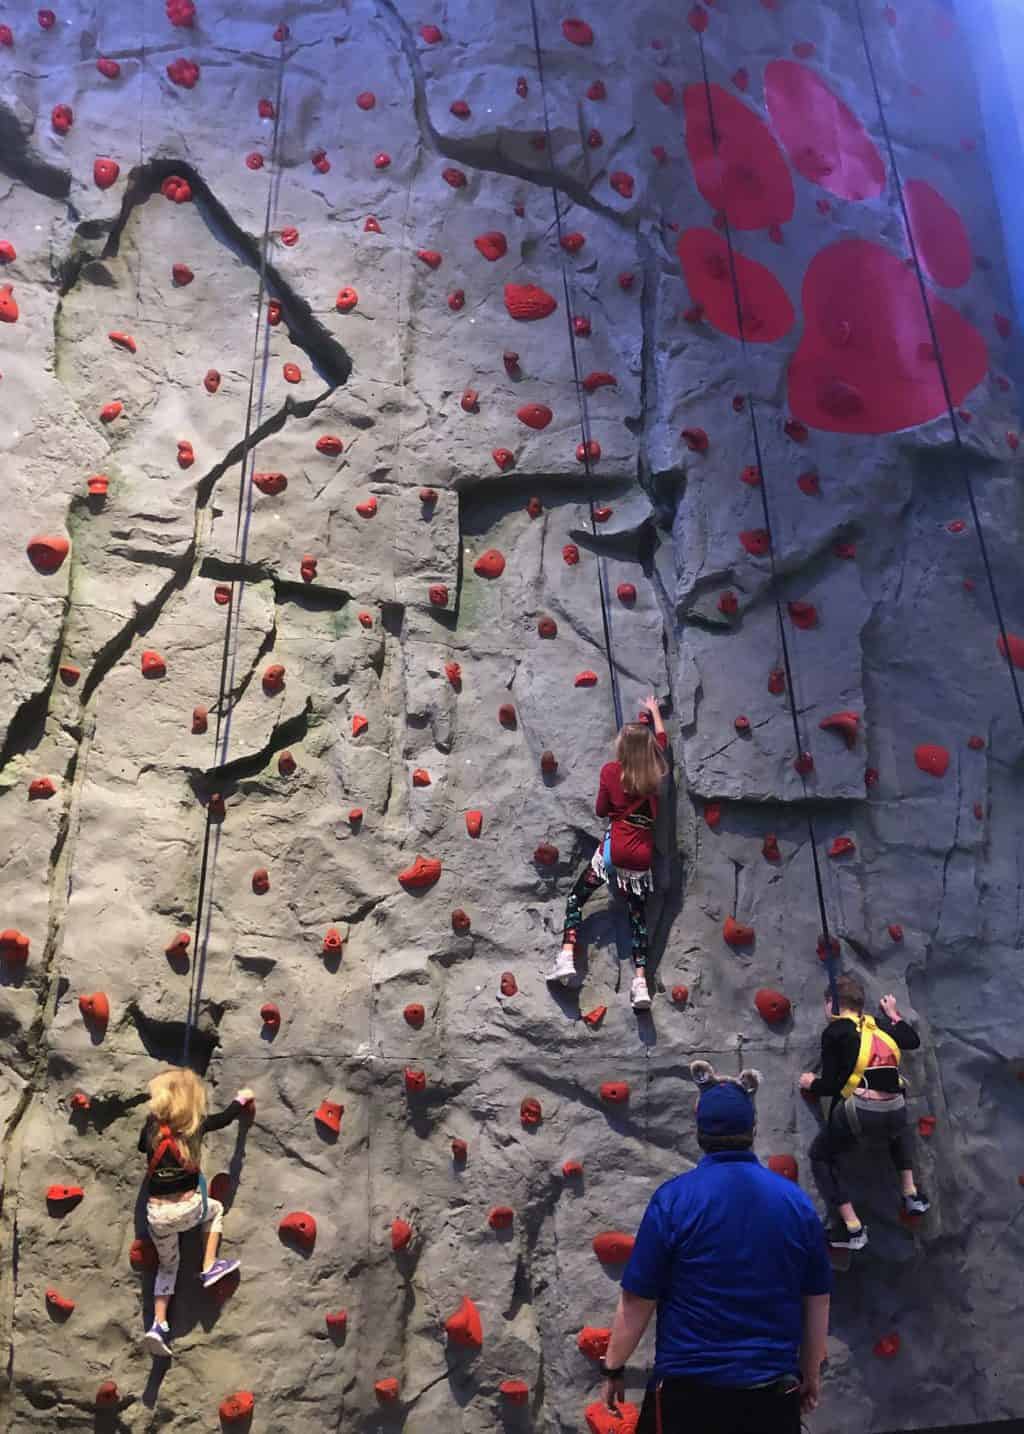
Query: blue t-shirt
point(729, 1250)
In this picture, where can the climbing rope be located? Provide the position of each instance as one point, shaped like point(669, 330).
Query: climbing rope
point(602, 575)
point(961, 451)
point(827, 949)
point(261, 331)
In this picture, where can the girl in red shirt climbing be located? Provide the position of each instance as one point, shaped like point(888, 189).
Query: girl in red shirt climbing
point(627, 796)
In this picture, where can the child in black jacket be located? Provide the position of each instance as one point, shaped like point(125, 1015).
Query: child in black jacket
point(860, 1076)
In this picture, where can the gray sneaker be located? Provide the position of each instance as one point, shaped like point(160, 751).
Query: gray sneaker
point(157, 1340)
point(918, 1204)
point(840, 1238)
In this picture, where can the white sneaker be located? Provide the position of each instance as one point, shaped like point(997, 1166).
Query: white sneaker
point(564, 970)
point(639, 995)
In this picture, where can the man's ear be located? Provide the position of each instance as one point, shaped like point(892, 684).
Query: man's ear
point(750, 1080)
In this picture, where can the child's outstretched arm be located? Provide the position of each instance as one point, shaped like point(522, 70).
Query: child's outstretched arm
point(230, 1112)
point(650, 704)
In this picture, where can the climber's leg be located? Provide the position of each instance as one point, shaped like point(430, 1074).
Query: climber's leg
point(564, 969)
point(639, 991)
point(915, 1201)
point(827, 1146)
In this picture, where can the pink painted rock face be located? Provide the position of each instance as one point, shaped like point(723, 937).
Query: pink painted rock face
point(766, 311)
point(939, 234)
point(864, 365)
point(745, 175)
point(824, 139)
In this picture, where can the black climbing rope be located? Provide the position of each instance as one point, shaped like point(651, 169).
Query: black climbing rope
point(222, 734)
point(961, 451)
point(602, 576)
point(828, 948)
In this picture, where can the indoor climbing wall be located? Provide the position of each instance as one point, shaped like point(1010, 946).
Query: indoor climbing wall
point(392, 390)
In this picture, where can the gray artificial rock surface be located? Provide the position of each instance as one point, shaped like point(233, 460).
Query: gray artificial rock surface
point(103, 875)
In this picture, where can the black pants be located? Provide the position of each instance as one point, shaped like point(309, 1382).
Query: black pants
point(878, 1126)
point(586, 884)
point(688, 1407)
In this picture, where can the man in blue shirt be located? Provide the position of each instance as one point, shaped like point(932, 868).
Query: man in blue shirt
point(733, 1257)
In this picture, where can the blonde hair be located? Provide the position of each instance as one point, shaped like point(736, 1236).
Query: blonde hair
point(177, 1099)
point(641, 760)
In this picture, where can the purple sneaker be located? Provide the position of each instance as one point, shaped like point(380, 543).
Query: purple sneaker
point(217, 1271)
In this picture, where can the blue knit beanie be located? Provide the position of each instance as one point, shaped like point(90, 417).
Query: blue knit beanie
point(725, 1109)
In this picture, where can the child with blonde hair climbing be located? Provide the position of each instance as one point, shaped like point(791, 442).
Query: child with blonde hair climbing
point(177, 1201)
point(627, 796)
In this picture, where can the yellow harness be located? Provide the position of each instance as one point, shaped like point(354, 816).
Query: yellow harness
point(869, 1033)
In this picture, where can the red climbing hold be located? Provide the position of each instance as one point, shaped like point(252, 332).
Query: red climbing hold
point(184, 73)
point(713, 815)
point(527, 302)
point(976, 744)
point(535, 415)
point(755, 541)
point(456, 300)
point(212, 380)
point(186, 453)
point(62, 117)
point(14, 947)
point(585, 679)
point(507, 715)
point(500, 1217)
point(776, 681)
point(474, 823)
point(329, 1115)
point(546, 854)
point(514, 1391)
point(181, 13)
point(431, 35)
point(420, 777)
point(926, 1126)
point(62, 1198)
point(222, 594)
point(345, 302)
point(548, 763)
point(308, 567)
point(845, 723)
point(803, 614)
point(292, 373)
point(424, 872)
point(337, 1323)
point(298, 1228)
point(887, 1347)
point(359, 724)
point(333, 941)
point(590, 452)
point(46, 553)
point(803, 763)
point(459, 109)
point(460, 1150)
point(176, 189)
point(142, 1256)
point(415, 1081)
point(728, 604)
point(367, 508)
point(366, 99)
point(105, 172)
point(270, 483)
point(613, 1247)
point(8, 253)
point(382, 160)
point(460, 921)
point(152, 664)
point(573, 1170)
point(932, 759)
point(593, 1342)
point(809, 483)
point(784, 1165)
point(107, 1395)
point(181, 274)
point(895, 933)
point(490, 564)
point(735, 934)
point(273, 678)
point(322, 165)
point(355, 816)
point(530, 1113)
point(428, 496)
point(414, 1015)
point(261, 881)
point(770, 847)
point(594, 1018)
point(470, 401)
point(695, 439)
point(772, 1006)
point(842, 846)
point(386, 1391)
point(614, 1092)
point(438, 595)
point(454, 177)
point(622, 183)
point(504, 458)
point(572, 243)
point(464, 1327)
point(534, 507)
point(598, 379)
point(680, 995)
point(98, 485)
point(178, 946)
point(577, 32)
point(795, 430)
point(1013, 646)
point(492, 245)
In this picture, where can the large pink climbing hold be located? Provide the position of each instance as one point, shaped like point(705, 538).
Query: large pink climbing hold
point(824, 139)
point(772, 1006)
point(845, 723)
point(932, 758)
point(490, 564)
point(735, 934)
point(577, 32)
point(535, 415)
point(424, 872)
point(527, 301)
point(1013, 648)
point(298, 1228)
point(46, 552)
point(465, 1327)
point(492, 245)
point(765, 308)
point(739, 168)
point(939, 234)
point(613, 1247)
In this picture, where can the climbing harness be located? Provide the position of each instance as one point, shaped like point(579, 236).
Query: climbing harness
point(872, 1037)
point(961, 451)
point(168, 1144)
point(828, 947)
point(233, 614)
point(584, 447)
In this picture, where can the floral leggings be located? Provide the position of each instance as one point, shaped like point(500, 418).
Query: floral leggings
point(586, 884)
